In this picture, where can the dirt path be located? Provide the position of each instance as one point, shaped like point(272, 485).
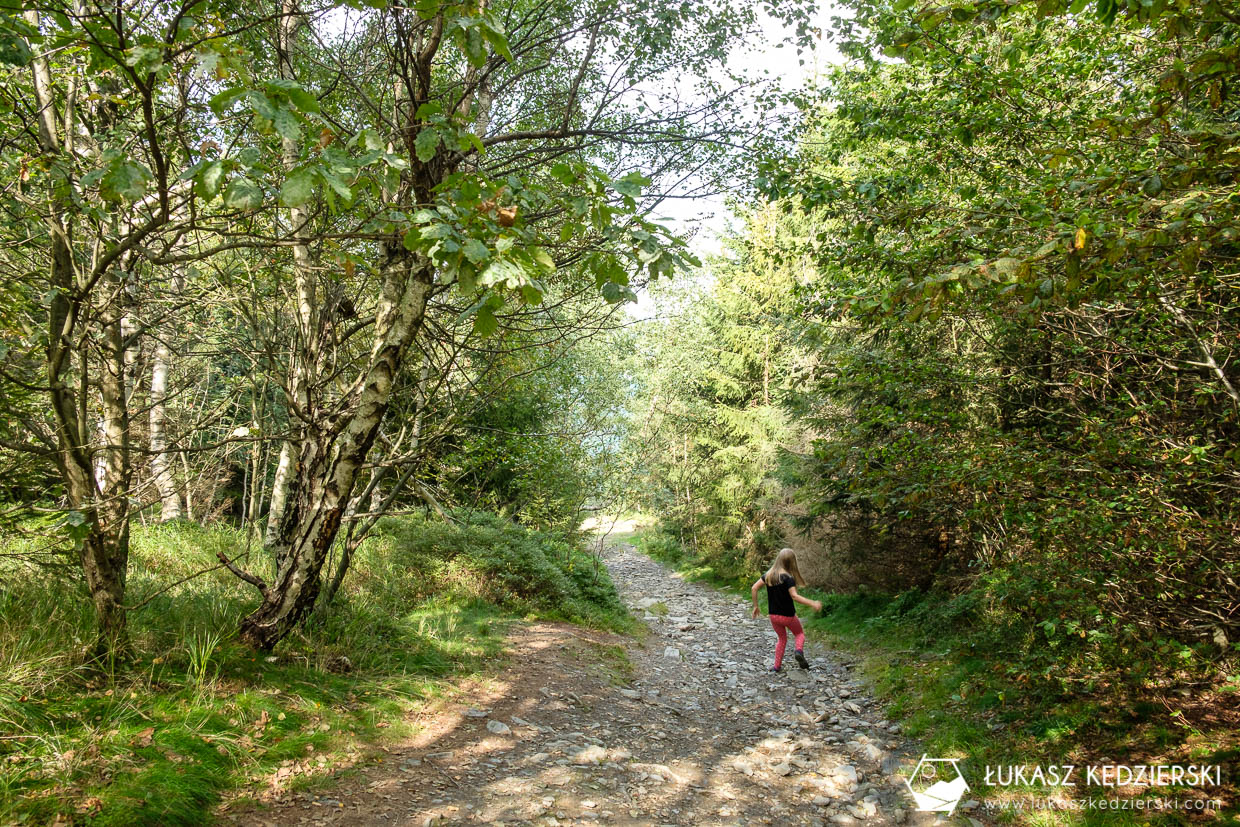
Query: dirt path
point(696, 732)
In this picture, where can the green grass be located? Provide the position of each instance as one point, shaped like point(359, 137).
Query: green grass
point(198, 720)
point(958, 700)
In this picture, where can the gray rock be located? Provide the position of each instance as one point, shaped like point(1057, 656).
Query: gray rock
point(847, 772)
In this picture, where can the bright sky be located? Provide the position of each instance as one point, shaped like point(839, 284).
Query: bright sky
point(705, 219)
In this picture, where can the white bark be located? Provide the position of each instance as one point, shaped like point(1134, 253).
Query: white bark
point(161, 462)
point(279, 491)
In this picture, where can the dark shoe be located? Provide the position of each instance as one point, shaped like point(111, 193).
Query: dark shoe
point(801, 661)
point(775, 669)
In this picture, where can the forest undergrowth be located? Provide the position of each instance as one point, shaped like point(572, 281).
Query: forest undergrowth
point(198, 721)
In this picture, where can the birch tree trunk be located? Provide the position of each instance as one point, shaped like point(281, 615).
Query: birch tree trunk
point(330, 459)
point(279, 492)
point(331, 441)
point(305, 352)
point(161, 461)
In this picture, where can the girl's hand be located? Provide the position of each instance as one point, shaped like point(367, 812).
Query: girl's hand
point(755, 611)
point(818, 605)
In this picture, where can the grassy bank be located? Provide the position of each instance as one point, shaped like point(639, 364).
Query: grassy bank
point(199, 721)
point(961, 700)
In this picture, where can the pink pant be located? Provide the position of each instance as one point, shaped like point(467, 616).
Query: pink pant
point(781, 624)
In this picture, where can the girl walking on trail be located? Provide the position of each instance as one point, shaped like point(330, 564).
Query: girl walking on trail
point(781, 581)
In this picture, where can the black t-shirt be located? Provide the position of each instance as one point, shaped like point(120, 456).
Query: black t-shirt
point(778, 600)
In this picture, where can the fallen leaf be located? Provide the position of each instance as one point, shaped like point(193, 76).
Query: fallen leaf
point(143, 738)
point(90, 806)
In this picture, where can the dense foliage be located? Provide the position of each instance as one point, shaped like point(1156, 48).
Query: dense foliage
point(1015, 251)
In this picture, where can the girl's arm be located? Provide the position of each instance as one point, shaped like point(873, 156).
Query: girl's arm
point(805, 601)
point(754, 594)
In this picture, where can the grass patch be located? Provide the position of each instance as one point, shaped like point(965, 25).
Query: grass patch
point(198, 721)
point(664, 548)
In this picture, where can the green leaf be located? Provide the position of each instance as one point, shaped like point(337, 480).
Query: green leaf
point(370, 140)
point(124, 181)
point(563, 173)
point(209, 179)
point(428, 110)
point(286, 125)
point(303, 99)
point(476, 251)
point(337, 184)
point(474, 46)
point(145, 58)
point(466, 141)
point(426, 144)
point(299, 187)
point(493, 32)
point(485, 322)
point(543, 259)
point(261, 104)
point(220, 102)
point(615, 293)
point(243, 194)
point(626, 187)
point(13, 49)
point(412, 236)
point(466, 277)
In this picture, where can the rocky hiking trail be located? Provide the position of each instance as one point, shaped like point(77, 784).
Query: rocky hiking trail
point(698, 731)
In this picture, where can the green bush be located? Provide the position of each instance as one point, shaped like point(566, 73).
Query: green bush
point(488, 558)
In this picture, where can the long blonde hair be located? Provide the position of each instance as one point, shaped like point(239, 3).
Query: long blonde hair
point(785, 563)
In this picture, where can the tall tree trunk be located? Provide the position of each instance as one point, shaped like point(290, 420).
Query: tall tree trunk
point(329, 459)
point(334, 439)
point(102, 514)
point(378, 503)
point(161, 461)
point(170, 500)
point(305, 352)
point(107, 566)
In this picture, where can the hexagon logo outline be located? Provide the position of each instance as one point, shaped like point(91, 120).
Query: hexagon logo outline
point(941, 796)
